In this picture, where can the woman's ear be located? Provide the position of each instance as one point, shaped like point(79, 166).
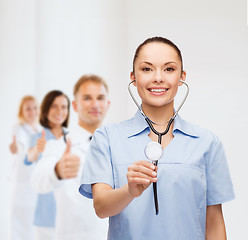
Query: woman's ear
point(182, 78)
point(132, 78)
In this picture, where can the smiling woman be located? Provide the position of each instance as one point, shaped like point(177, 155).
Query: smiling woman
point(159, 61)
point(54, 118)
point(22, 205)
point(192, 174)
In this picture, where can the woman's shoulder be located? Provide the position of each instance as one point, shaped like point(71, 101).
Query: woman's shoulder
point(20, 128)
point(200, 131)
point(16, 127)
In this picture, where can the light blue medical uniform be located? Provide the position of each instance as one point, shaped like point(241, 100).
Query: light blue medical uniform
point(192, 174)
point(45, 212)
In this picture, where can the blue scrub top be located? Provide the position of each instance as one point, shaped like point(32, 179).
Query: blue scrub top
point(192, 174)
point(45, 211)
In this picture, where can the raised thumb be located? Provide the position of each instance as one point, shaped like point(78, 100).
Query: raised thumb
point(14, 138)
point(68, 146)
point(43, 134)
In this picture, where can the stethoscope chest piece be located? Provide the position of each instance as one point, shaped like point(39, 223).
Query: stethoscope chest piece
point(153, 151)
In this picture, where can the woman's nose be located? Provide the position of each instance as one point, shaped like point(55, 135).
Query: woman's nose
point(158, 77)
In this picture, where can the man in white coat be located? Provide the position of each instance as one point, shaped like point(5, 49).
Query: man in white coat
point(60, 167)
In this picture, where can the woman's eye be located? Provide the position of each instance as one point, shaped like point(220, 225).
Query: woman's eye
point(146, 69)
point(169, 69)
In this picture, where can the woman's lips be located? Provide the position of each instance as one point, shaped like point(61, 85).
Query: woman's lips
point(158, 91)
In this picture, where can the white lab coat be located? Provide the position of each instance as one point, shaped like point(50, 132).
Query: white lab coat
point(76, 218)
point(22, 197)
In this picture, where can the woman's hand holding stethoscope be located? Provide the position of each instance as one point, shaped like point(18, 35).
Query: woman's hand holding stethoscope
point(139, 176)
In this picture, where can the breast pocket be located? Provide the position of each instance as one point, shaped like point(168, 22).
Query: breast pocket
point(183, 181)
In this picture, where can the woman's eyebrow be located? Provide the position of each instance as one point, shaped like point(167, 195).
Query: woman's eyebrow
point(170, 63)
point(148, 63)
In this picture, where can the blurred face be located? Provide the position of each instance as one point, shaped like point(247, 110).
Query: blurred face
point(91, 103)
point(58, 111)
point(30, 111)
point(157, 74)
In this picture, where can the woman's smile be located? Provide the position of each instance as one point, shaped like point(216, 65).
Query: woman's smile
point(158, 91)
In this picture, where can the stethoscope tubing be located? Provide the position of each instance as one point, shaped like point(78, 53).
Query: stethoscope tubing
point(159, 134)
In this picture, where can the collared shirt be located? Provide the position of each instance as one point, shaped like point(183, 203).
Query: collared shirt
point(76, 218)
point(192, 174)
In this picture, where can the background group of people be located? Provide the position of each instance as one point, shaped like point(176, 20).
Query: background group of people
point(45, 203)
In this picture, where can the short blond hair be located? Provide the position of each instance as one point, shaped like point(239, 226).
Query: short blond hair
point(89, 78)
point(23, 100)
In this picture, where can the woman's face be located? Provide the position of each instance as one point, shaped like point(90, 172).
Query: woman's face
point(157, 74)
point(30, 111)
point(58, 111)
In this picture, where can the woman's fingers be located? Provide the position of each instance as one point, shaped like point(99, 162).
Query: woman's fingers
point(142, 177)
point(144, 167)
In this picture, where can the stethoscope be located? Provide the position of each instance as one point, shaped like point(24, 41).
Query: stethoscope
point(154, 150)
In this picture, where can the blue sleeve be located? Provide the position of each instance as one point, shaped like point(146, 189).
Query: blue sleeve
point(32, 144)
point(219, 184)
point(98, 165)
point(26, 162)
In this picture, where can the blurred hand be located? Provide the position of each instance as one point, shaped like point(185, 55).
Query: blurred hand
point(139, 176)
point(41, 143)
point(68, 166)
point(13, 146)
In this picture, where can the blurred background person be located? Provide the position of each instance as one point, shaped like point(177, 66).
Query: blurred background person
point(22, 197)
point(60, 167)
point(54, 118)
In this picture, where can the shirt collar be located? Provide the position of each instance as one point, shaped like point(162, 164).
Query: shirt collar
point(185, 127)
point(81, 132)
point(139, 125)
point(49, 133)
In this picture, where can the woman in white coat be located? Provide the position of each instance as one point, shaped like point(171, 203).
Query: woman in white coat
point(22, 197)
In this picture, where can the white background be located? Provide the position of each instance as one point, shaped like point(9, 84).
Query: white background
point(49, 44)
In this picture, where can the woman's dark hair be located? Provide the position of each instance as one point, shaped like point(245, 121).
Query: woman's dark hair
point(161, 40)
point(46, 105)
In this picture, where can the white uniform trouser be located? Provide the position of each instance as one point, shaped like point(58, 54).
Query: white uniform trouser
point(21, 223)
point(44, 233)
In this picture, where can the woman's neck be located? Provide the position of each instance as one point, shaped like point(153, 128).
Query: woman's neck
point(159, 115)
point(57, 131)
point(33, 125)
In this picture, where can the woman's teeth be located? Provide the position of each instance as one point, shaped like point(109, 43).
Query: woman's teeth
point(158, 90)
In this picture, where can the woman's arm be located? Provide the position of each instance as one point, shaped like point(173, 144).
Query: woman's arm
point(215, 226)
point(109, 202)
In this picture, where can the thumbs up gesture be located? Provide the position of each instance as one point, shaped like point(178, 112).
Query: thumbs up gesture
point(68, 166)
point(13, 146)
point(41, 143)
